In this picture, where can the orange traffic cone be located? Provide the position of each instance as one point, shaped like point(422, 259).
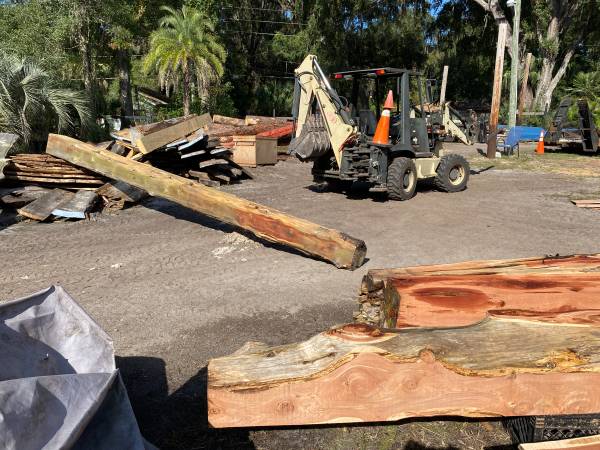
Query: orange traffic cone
point(540, 145)
point(382, 133)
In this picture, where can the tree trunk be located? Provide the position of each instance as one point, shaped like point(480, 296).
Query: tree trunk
point(503, 366)
point(85, 52)
point(187, 93)
point(125, 87)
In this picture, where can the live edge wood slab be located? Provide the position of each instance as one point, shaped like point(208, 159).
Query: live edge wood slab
point(462, 293)
point(331, 245)
point(502, 366)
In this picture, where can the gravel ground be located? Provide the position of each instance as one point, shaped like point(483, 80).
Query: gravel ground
point(175, 289)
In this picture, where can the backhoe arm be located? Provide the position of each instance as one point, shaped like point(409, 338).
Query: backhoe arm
point(322, 122)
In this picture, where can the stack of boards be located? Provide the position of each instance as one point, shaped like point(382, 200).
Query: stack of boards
point(196, 147)
point(47, 170)
point(181, 146)
point(499, 338)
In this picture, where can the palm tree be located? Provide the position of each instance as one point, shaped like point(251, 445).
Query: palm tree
point(586, 85)
point(32, 105)
point(185, 44)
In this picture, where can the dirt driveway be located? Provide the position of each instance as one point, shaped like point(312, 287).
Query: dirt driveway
point(174, 289)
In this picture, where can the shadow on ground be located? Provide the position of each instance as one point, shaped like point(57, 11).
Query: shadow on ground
point(179, 420)
point(179, 212)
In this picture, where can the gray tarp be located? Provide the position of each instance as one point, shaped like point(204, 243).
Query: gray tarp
point(58, 384)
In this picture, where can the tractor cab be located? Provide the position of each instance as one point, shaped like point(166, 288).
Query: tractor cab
point(364, 92)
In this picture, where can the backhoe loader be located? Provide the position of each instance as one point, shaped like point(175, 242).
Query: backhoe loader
point(336, 134)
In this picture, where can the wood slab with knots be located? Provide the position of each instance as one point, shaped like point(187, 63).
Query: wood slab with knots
point(462, 293)
point(503, 366)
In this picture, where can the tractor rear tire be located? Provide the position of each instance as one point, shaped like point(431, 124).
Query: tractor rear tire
point(452, 173)
point(402, 179)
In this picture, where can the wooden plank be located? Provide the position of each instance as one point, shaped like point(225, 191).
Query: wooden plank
point(192, 140)
point(585, 203)
point(119, 190)
point(48, 174)
point(220, 151)
point(18, 197)
point(54, 180)
point(331, 245)
point(209, 183)
point(105, 145)
point(197, 174)
point(502, 366)
point(149, 142)
point(196, 153)
point(581, 443)
point(77, 206)
point(211, 162)
point(42, 208)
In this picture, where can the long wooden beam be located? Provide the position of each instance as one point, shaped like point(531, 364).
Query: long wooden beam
point(502, 366)
point(328, 244)
point(462, 293)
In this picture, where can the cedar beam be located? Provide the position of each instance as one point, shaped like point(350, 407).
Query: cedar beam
point(462, 293)
point(267, 223)
point(502, 366)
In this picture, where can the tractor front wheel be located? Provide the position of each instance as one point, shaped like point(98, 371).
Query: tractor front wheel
point(452, 173)
point(402, 179)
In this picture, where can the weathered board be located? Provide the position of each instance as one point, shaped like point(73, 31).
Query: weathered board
point(502, 366)
point(331, 245)
point(77, 206)
point(148, 141)
point(42, 208)
point(119, 190)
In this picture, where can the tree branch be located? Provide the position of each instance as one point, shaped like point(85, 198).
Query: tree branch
point(562, 69)
point(493, 7)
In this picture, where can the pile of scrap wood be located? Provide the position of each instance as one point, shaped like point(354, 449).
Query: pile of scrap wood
point(478, 339)
point(47, 170)
point(196, 147)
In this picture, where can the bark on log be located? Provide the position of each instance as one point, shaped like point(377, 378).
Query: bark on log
point(456, 294)
point(229, 120)
point(331, 245)
point(502, 366)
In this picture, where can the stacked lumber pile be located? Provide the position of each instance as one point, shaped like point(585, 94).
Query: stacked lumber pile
point(478, 339)
point(196, 147)
point(47, 170)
